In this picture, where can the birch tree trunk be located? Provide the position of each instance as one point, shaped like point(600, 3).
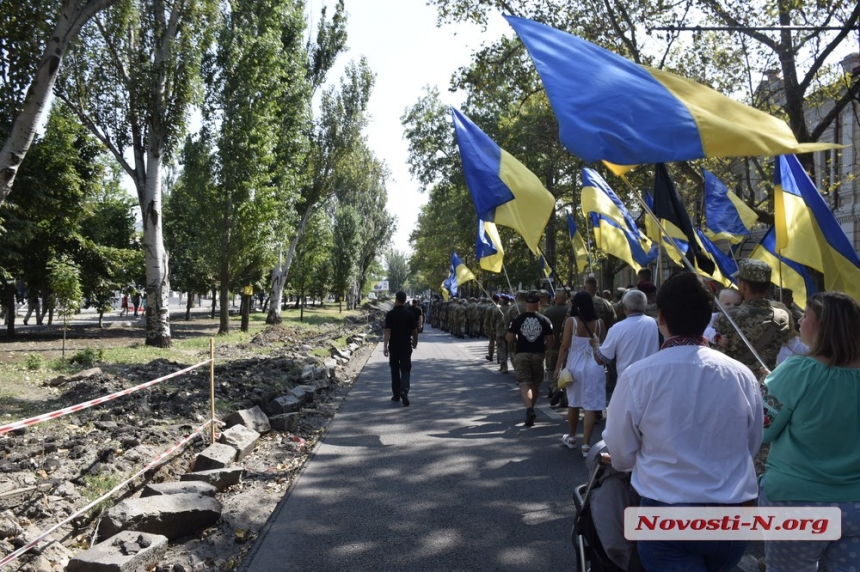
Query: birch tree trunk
point(282, 271)
point(73, 15)
point(155, 258)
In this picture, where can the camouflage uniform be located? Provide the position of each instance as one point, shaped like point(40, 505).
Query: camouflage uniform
point(605, 310)
point(766, 325)
point(557, 314)
point(491, 316)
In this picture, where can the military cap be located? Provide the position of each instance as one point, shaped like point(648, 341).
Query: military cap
point(753, 270)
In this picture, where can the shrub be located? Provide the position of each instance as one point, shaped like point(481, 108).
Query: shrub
point(88, 357)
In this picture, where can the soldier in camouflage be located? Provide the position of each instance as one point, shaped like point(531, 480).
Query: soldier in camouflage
point(491, 316)
point(501, 330)
point(765, 325)
point(604, 309)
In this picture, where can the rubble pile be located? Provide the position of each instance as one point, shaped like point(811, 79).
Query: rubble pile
point(202, 508)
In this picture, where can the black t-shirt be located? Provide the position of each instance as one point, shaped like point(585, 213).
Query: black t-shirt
point(401, 321)
point(530, 328)
point(418, 313)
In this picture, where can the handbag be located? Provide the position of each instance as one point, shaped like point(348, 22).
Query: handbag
point(565, 378)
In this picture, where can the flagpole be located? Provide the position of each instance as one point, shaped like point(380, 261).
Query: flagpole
point(588, 239)
point(505, 268)
point(691, 268)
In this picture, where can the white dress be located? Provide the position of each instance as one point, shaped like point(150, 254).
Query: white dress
point(588, 389)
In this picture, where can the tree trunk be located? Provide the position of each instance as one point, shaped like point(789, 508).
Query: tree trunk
point(101, 315)
point(73, 15)
point(214, 297)
point(11, 310)
point(246, 312)
point(281, 272)
point(224, 323)
point(155, 257)
point(302, 307)
point(188, 306)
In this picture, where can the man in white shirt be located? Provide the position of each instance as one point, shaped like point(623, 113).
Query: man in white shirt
point(631, 339)
point(687, 421)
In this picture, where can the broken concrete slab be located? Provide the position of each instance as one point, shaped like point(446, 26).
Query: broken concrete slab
point(215, 456)
point(128, 551)
point(173, 516)
point(218, 478)
point(308, 372)
point(252, 418)
point(177, 487)
point(240, 438)
point(287, 422)
point(284, 404)
point(330, 366)
point(304, 393)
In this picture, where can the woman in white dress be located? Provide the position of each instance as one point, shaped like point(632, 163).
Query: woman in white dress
point(588, 390)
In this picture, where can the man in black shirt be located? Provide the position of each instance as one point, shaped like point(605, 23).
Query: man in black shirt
point(532, 334)
point(419, 314)
point(400, 326)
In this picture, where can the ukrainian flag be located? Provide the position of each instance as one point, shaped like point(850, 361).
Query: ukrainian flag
point(727, 216)
point(726, 267)
point(808, 233)
point(786, 273)
point(615, 231)
point(488, 247)
point(580, 251)
point(675, 243)
point(504, 191)
point(458, 274)
point(612, 109)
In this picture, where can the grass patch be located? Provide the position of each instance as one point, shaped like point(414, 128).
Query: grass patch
point(316, 315)
point(96, 486)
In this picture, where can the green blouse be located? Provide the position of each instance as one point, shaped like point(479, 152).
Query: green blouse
point(814, 432)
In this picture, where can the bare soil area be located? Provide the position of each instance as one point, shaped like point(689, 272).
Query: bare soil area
point(49, 471)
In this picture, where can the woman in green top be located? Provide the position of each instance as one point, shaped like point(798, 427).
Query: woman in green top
point(812, 420)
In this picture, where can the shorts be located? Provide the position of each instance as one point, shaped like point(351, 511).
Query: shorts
point(589, 394)
point(528, 368)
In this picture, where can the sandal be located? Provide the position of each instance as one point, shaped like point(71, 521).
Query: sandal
point(585, 450)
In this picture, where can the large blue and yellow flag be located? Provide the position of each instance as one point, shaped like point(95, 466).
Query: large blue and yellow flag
point(458, 274)
point(808, 233)
point(504, 191)
point(726, 215)
point(609, 108)
point(580, 250)
point(615, 227)
point(786, 273)
point(488, 247)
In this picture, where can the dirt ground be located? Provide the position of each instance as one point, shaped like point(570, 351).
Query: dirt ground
point(128, 432)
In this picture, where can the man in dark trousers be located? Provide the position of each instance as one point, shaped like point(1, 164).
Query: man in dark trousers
point(400, 337)
point(419, 314)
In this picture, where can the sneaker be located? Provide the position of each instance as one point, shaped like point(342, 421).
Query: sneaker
point(555, 397)
point(568, 441)
point(530, 416)
point(586, 449)
point(405, 399)
point(395, 398)
point(488, 358)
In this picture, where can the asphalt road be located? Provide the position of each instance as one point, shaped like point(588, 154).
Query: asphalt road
point(453, 482)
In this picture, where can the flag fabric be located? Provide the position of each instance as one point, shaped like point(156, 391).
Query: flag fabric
point(726, 265)
point(808, 233)
point(726, 215)
point(675, 244)
point(609, 108)
point(504, 191)
point(580, 251)
point(545, 266)
point(618, 241)
point(619, 235)
point(488, 247)
point(668, 207)
point(785, 272)
point(458, 274)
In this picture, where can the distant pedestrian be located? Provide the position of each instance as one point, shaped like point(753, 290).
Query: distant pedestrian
point(33, 306)
point(123, 309)
point(419, 314)
point(399, 338)
point(135, 300)
point(531, 334)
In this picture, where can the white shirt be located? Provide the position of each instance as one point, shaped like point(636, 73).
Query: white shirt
point(687, 421)
point(630, 340)
point(790, 348)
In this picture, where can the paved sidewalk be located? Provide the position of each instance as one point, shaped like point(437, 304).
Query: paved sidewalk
point(453, 482)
